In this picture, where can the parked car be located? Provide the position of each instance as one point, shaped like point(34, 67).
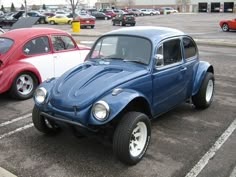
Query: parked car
point(100, 15)
point(10, 19)
point(42, 18)
point(227, 25)
point(130, 76)
point(31, 55)
point(124, 19)
point(49, 14)
point(59, 19)
point(135, 11)
point(1, 31)
point(147, 12)
point(86, 20)
point(109, 12)
point(169, 10)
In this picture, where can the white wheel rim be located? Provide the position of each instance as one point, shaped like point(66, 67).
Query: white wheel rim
point(138, 139)
point(225, 27)
point(209, 90)
point(24, 84)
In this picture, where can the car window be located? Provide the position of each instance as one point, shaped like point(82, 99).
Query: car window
point(127, 48)
point(37, 45)
point(62, 43)
point(190, 49)
point(171, 52)
point(5, 44)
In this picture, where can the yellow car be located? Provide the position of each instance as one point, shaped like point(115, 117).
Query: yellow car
point(59, 19)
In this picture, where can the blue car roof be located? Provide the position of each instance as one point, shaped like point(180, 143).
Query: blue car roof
point(155, 34)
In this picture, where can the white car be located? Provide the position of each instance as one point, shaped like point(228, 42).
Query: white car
point(147, 12)
point(169, 10)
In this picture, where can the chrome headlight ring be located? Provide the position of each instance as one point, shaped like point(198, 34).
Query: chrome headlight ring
point(101, 110)
point(40, 95)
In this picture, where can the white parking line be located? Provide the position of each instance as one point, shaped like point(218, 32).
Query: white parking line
point(14, 120)
point(16, 130)
point(211, 153)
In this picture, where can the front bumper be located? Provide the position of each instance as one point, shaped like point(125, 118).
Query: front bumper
point(70, 122)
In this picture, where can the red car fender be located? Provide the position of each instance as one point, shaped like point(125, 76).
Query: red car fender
point(10, 72)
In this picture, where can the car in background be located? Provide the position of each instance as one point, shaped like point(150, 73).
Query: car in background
point(130, 77)
point(100, 15)
point(169, 10)
point(59, 19)
point(29, 56)
point(42, 18)
point(9, 20)
point(147, 12)
point(86, 20)
point(109, 12)
point(124, 19)
point(49, 14)
point(136, 12)
point(227, 25)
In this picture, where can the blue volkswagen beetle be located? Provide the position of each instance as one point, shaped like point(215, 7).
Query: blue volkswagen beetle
point(130, 76)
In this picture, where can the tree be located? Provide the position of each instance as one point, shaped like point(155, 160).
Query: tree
point(44, 7)
point(74, 4)
point(13, 9)
point(22, 7)
point(2, 8)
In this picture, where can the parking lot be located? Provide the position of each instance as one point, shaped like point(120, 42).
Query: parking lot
point(180, 138)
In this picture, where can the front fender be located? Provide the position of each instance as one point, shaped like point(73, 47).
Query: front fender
point(10, 72)
point(203, 68)
point(117, 103)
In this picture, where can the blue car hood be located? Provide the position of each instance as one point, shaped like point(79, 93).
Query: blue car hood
point(83, 85)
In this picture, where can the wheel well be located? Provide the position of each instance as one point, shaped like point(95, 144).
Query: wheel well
point(210, 69)
point(139, 105)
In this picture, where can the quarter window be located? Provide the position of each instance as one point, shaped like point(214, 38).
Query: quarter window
point(190, 49)
point(62, 43)
point(37, 45)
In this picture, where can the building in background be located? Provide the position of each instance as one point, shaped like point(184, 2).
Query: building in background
point(181, 5)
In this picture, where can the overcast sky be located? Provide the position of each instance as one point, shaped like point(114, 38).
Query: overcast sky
point(17, 3)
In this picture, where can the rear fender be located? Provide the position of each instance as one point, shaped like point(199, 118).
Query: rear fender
point(10, 72)
point(203, 68)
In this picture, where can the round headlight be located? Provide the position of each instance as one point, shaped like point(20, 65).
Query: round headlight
point(101, 110)
point(40, 95)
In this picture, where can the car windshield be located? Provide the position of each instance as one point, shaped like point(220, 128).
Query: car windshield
point(5, 45)
point(126, 48)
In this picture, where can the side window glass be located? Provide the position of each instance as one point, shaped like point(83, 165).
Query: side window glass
point(172, 52)
point(62, 43)
point(38, 45)
point(190, 49)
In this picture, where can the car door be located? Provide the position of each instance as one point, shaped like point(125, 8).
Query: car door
point(66, 54)
point(190, 53)
point(169, 77)
point(37, 51)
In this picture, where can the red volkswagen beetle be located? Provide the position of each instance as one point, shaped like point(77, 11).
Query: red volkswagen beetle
point(31, 55)
point(227, 25)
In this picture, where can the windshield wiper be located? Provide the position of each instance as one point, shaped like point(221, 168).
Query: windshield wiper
point(136, 61)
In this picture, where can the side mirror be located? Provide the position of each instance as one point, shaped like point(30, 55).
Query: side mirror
point(159, 60)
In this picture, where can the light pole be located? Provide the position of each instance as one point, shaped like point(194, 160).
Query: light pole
point(25, 7)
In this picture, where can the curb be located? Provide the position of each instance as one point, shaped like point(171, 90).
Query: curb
point(5, 173)
point(215, 43)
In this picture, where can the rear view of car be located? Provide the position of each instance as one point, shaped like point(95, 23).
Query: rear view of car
point(124, 19)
